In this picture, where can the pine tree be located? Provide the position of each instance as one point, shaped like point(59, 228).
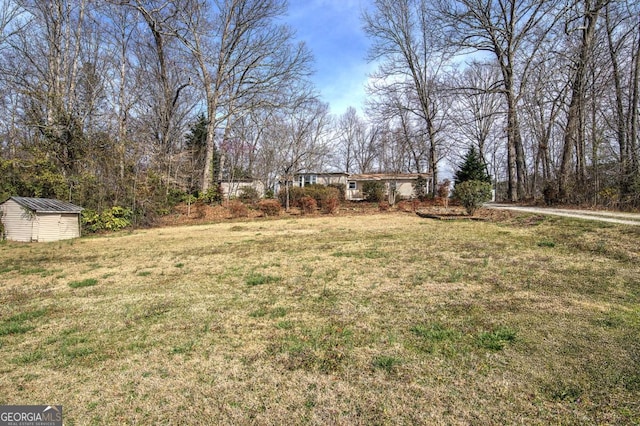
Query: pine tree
point(473, 168)
point(196, 143)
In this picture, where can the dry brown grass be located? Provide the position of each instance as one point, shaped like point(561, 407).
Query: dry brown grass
point(379, 319)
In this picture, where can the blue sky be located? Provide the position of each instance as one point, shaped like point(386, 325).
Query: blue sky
point(332, 29)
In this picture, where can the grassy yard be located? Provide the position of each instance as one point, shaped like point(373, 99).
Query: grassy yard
point(381, 319)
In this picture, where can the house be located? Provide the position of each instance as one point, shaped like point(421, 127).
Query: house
point(235, 188)
point(326, 179)
point(400, 184)
point(39, 219)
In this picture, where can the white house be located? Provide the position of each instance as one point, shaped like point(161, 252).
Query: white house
point(400, 184)
point(234, 188)
point(39, 219)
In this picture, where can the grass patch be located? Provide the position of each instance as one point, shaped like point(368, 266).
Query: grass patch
point(497, 339)
point(5, 269)
point(546, 243)
point(255, 279)
point(387, 319)
point(259, 313)
point(285, 325)
point(88, 282)
point(14, 328)
point(278, 312)
point(386, 363)
point(33, 271)
point(434, 332)
point(322, 349)
point(28, 358)
point(563, 391)
point(16, 323)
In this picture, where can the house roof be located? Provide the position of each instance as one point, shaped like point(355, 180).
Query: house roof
point(387, 176)
point(46, 205)
point(322, 173)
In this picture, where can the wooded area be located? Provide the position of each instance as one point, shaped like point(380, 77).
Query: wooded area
point(141, 103)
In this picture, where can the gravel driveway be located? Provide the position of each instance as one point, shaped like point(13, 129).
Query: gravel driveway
point(599, 215)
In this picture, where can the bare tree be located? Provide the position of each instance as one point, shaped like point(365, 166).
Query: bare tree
point(478, 108)
point(350, 128)
point(299, 137)
point(253, 57)
point(623, 42)
point(587, 16)
point(544, 100)
point(512, 31)
point(405, 41)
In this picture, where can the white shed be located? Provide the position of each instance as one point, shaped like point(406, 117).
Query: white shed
point(39, 219)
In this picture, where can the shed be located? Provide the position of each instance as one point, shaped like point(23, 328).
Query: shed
point(39, 219)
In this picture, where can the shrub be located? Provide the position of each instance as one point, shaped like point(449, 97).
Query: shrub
point(342, 190)
point(270, 207)
point(472, 194)
point(421, 188)
point(326, 197)
point(237, 209)
point(608, 196)
point(308, 205)
point(409, 205)
point(550, 193)
point(112, 219)
point(373, 191)
point(213, 195)
point(443, 192)
point(331, 205)
point(295, 194)
point(321, 193)
point(248, 195)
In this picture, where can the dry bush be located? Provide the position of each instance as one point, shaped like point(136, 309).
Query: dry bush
point(270, 207)
point(405, 206)
point(237, 209)
point(308, 205)
point(331, 205)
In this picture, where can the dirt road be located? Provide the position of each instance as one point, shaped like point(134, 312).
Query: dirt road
point(600, 215)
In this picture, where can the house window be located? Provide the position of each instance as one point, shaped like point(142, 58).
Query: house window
point(353, 185)
point(304, 180)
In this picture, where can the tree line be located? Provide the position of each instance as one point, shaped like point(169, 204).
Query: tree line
point(139, 103)
point(546, 90)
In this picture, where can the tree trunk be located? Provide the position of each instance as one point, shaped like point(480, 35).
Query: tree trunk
point(573, 131)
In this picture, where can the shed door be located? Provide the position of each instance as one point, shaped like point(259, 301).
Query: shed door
point(48, 227)
point(69, 226)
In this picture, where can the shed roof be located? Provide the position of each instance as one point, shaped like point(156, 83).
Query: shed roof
point(46, 205)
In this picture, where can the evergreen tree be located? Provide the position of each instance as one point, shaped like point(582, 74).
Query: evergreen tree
point(473, 168)
point(196, 144)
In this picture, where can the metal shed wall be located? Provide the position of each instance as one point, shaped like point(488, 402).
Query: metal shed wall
point(18, 221)
point(24, 225)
